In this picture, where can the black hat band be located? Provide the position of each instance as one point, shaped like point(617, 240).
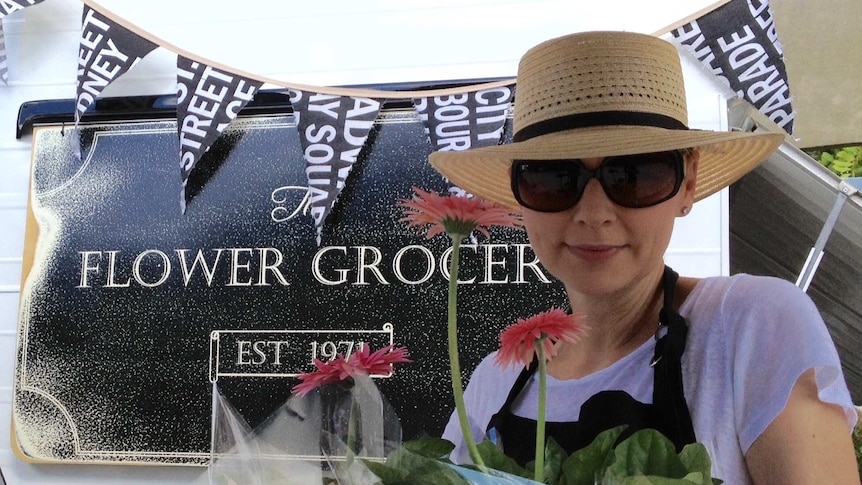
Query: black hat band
point(598, 118)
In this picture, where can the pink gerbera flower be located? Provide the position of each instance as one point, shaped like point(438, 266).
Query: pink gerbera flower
point(518, 341)
point(379, 362)
point(454, 214)
point(457, 217)
point(361, 362)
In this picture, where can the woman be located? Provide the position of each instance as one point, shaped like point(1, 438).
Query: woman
point(742, 364)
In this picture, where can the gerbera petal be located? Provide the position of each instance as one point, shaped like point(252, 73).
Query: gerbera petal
point(379, 362)
point(454, 214)
point(326, 373)
point(517, 341)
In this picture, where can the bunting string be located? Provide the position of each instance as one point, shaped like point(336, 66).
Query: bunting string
point(335, 91)
point(334, 122)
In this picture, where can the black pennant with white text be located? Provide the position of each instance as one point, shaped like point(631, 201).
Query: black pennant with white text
point(465, 120)
point(107, 50)
point(739, 44)
point(208, 99)
point(11, 6)
point(7, 7)
point(461, 121)
point(4, 67)
point(332, 132)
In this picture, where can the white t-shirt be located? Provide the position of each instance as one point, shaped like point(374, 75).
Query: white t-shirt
point(750, 338)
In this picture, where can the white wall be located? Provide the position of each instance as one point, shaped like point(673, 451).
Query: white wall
point(359, 43)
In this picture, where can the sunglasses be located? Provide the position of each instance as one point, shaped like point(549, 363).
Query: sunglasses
point(634, 181)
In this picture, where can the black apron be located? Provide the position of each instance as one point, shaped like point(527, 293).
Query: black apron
point(668, 412)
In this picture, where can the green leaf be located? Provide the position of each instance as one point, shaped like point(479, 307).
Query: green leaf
point(405, 459)
point(386, 474)
point(698, 478)
point(843, 161)
point(695, 458)
point(435, 473)
point(583, 465)
point(555, 455)
point(494, 458)
point(407, 467)
point(429, 447)
point(648, 452)
point(649, 480)
point(845, 155)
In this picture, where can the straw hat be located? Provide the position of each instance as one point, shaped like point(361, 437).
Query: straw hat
point(597, 94)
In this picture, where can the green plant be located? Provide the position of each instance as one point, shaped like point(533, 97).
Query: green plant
point(645, 457)
point(845, 161)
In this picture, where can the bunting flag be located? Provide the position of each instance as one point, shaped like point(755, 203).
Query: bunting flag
point(10, 6)
point(736, 41)
point(4, 68)
point(7, 7)
point(739, 44)
point(208, 99)
point(467, 120)
point(332, 132)
point(107, 50)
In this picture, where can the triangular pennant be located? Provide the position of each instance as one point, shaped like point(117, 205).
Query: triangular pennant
point(4, 68)
point(107, 50)
point(10, 6)
point(466, 120)
point(7, 7)
point(332, 132)
point(208, 99)
point(738, 43)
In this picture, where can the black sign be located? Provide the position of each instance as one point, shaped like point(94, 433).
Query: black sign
point(131, 309)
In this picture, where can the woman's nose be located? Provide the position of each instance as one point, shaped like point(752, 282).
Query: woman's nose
point(594, 208)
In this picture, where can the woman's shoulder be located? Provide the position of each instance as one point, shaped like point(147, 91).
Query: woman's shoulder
point(489, 385)
point(490, 372)
point(750, 307)
point(744, 291)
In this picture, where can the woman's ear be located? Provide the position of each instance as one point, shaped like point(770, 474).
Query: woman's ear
point(690, 183)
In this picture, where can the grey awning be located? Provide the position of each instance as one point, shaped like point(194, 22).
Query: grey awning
point(777, 213)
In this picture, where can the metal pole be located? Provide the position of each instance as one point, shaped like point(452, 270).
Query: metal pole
point(845, 190)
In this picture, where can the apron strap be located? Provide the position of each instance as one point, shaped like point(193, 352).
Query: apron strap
point(672, 414)
point(517, 387)
point(668, 396)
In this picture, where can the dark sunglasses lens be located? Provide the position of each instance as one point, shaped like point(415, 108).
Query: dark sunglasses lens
point(545, 186)
point(642, 180)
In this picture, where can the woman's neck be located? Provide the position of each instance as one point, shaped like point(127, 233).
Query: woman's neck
point(618, 324)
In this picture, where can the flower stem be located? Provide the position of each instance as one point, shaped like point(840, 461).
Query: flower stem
point(351, 431)
point(454, 365)
point(540, 418)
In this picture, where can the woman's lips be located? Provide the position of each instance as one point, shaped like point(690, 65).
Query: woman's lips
point(591, 252)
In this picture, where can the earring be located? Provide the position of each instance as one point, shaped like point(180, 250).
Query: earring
point(685, 210)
